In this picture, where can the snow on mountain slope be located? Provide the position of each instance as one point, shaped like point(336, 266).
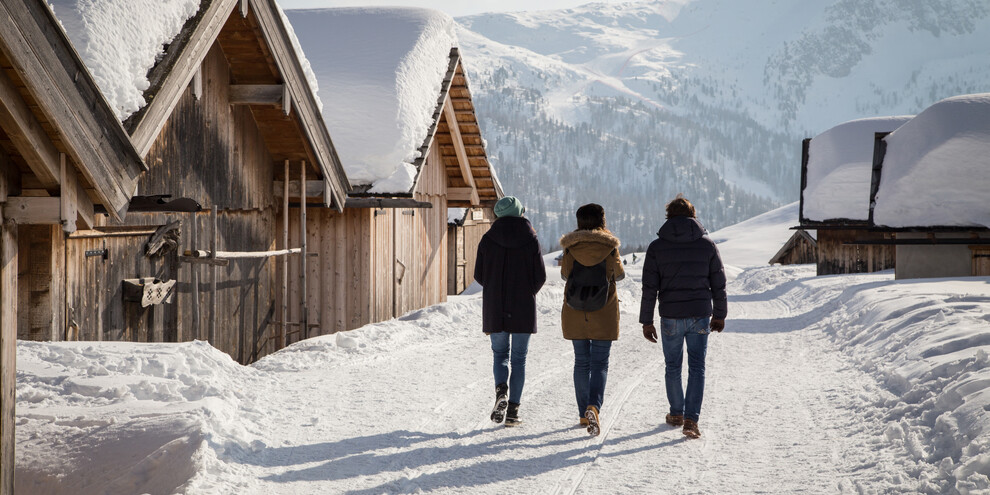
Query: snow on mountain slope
point(706, 97)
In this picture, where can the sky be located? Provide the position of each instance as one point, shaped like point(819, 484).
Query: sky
point(452, 7)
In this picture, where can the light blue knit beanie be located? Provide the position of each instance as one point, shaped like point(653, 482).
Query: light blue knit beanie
point(509, 206)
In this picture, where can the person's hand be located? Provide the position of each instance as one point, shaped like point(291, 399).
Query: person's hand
point(718, 325)
point(650, 332)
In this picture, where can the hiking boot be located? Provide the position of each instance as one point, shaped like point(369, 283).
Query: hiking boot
point(591, 414)
point(583, 422)
point(512, 415)
point(501, 402)
point(691, 428)
point(674, 419)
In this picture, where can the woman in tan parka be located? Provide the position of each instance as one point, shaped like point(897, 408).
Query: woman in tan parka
point(591, 331)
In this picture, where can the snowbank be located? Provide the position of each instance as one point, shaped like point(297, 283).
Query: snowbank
point(121, 40)
point(935, 170)
point(928, 342)
point(380, 72)
point(840, 165)
point(101, 417)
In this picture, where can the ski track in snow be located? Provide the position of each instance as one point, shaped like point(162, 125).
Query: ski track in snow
point(779, 413)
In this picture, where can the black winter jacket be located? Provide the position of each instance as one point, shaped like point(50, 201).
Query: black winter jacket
point(684, 270)
point(510, 268)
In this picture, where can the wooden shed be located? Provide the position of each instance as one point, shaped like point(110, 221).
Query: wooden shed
point(63, 153)
point(801, 248)
point(230, 129)
point(387, 253)
point(464, 232)
point(929, 189)
point(836, 169)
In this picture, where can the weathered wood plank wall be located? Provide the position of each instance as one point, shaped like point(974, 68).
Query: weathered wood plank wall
point(211, 151)
point(355, 279)
point(837, 257)
point(41, 281)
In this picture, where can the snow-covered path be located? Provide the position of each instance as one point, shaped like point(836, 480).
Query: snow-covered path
point(838, 384)
point(783, 413)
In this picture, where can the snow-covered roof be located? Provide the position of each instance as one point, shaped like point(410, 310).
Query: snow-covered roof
point(121, 41)
point(936, 170)
point(380, 72)
point(840, 164)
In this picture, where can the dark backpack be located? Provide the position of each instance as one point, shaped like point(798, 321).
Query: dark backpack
point(587, 287)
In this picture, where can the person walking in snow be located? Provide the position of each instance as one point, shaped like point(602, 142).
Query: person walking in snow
point(510, 268)
point(684, 271)
point(590, 315)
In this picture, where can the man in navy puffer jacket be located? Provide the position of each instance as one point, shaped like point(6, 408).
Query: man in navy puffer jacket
point(684, 271)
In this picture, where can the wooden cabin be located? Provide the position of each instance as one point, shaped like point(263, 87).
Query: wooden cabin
point(929, 189)
point(801, 248)
point(230, 130)
point(63, 153)
point(387, 252)
point(464, 233)
point(836, 169)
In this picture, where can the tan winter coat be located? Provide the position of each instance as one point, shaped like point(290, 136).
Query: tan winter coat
point(590, 247)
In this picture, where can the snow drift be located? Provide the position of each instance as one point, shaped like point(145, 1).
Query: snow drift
point(380, 72)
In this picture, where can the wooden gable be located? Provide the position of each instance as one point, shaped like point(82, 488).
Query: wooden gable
point(264, 75)
point(469, 177)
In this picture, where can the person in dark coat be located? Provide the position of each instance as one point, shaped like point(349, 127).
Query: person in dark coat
point(510, 268)
point(684, 271)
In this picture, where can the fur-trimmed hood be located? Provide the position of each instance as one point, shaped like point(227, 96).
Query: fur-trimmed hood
point(589, 247)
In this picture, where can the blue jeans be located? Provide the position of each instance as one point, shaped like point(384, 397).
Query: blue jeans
point(590, 372)
point(674, 333)
point(500, 366)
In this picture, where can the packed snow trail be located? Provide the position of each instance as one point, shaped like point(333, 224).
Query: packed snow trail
point(782, 413)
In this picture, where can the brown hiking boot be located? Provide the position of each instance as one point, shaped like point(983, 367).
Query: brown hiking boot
point(583, 422)
point(674, 419)
point(591, 414)
point(691, 429)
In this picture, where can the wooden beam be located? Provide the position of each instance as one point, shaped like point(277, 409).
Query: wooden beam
point(27, 135)
point(34, 210)
point(70, 187)
point(257, 94)
point(460, 194)
point(84, 207)
point(386, 203)
point(314, 188)
point(197, 83)
point(8, 351)
point(286, 100)
point(462, 159)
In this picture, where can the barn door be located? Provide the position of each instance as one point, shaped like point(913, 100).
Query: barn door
point(102, 270)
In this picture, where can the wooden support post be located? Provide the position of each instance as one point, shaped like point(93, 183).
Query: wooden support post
point(8, 351)
point(285, 261)
point(213, 277)
point(194, 272)
point(304, 261)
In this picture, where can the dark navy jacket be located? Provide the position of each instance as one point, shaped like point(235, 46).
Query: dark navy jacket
point(684, 270)
point(510, 268)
